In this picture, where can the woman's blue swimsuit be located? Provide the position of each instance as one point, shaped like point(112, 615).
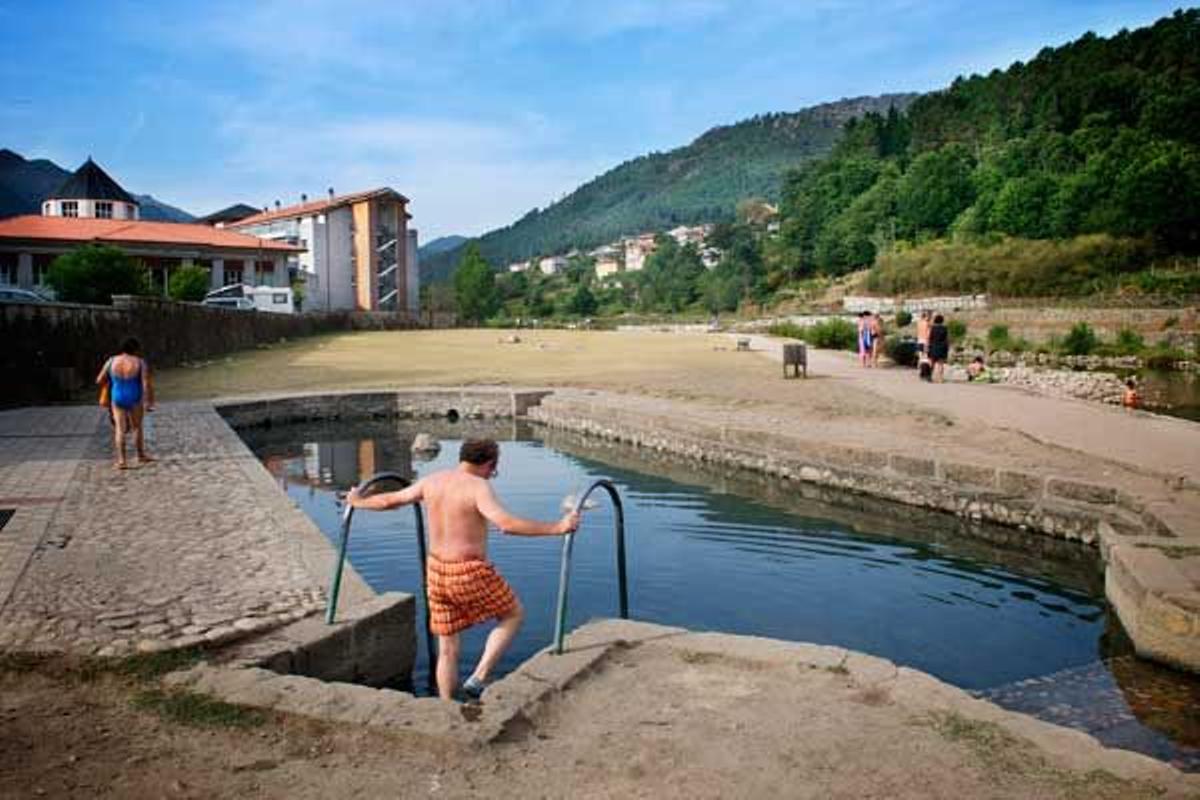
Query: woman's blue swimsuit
point(126, 393)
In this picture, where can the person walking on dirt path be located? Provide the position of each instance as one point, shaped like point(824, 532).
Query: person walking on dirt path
point(465, 589)
point(939, 347)
point(130, 389)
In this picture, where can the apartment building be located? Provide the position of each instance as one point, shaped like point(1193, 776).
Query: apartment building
point(359, 253)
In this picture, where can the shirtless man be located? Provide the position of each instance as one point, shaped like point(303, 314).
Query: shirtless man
point(464, 588)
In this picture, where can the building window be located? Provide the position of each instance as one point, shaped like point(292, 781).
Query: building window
point(233, 273)
point(104, 209)
point(70, 208)
point(41, 265)
point(8, 269)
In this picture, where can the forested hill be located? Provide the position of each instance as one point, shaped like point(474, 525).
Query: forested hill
point(701, 182)
point(1099, 137)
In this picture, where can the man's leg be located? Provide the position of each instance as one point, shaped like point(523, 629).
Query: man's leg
point(447, 666)
point(498, 641)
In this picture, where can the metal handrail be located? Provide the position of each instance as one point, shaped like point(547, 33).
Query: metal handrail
point(560, 622)
point(336, 583)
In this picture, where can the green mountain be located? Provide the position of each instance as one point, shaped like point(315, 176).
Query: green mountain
point(701, 182)
point(440, 245)
point(24, 184)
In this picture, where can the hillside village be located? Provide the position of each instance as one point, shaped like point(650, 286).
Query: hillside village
point(626, 255)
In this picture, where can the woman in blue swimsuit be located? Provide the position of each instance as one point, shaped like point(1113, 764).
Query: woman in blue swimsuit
point(131, 395)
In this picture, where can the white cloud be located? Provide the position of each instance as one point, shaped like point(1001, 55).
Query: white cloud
point(462, 177)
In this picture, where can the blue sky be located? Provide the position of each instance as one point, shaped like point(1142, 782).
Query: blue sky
point(476, 111)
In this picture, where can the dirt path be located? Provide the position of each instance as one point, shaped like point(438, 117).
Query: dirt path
point(1152, 442)
point(694, 721)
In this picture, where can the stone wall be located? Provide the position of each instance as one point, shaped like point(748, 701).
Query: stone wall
point(890, 305)
point(416, 403)
point(1055, 506)
point(54, 349)
point(1152, 597)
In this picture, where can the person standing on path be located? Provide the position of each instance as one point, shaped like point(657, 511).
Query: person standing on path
point(464, 587)
point(864, 338)
point(876, 325)
point(939, 347)
point(130, 396)
point(923, 326)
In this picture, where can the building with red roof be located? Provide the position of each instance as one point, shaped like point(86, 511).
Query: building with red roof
point(91, 208)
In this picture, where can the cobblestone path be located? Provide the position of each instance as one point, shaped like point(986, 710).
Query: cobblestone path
point(198, 547)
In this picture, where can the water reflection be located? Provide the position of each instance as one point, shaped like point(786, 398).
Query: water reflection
point(1016, 617)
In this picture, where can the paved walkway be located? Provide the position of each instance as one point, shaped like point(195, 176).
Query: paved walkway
point(197, 547)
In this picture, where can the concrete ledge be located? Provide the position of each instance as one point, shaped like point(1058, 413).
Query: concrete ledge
point(1156, 603)
point(373, 643)
point(417, 403)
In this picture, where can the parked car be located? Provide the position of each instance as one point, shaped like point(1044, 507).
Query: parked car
point(275, 299)
point(11, 294)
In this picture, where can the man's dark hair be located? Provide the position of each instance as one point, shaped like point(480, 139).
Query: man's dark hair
point(131, 346)
point(938, 320)
point(479, 451)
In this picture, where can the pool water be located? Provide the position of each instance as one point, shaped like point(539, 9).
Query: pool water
point(1018, 618)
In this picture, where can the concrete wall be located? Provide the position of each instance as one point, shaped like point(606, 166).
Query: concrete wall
point(412, 274)
point(417, 403)
point(54, 349)
point(914, 305)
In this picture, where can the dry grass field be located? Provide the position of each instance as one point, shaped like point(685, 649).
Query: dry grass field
point(684, 367)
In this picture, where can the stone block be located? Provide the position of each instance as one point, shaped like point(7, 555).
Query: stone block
point(970, 474)
point(1021, 484)
point(1081, 492)
point(912, 466)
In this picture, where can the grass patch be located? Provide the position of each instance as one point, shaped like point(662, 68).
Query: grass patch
point(140, 668)
point(196, 710)
point(22, 663)
point(1010, 758)
point(151, 666)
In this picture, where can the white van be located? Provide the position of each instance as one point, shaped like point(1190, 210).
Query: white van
point(274, 299)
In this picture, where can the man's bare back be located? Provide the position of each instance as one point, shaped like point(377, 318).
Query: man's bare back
point(463, 587)
point(459, 502)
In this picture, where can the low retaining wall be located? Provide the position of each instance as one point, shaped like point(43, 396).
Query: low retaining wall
point(373, 643)
point(452, 404)
point(53, 349)
point(1150, 596)
point(1025, 500)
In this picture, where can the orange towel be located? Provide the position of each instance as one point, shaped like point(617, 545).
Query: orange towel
point(465, 593)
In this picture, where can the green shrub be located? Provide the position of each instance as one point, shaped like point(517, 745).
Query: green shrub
point(957, 329)
point(1011, 267)
point(94, 273)
point(788, 330)
point(903, 319)
point(189, 284)
point(901, 349)
point(1164, 357)
point(998, 338)
point(832, 334)
point(1129, 342)
point(1080, 340)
